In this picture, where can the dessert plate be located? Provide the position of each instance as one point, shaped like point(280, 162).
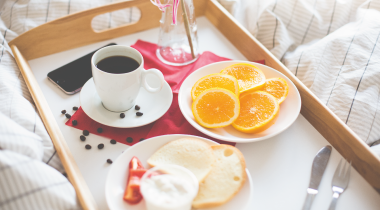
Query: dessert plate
point(289, 109)
point(118, 174)
point(153, 106)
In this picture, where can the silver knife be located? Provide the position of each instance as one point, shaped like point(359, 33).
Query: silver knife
point(319, 165)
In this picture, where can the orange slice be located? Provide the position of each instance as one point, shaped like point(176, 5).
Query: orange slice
point(249, 76)
point(216, 107)
point(277, 87)
point(215, 81)
point(258, 111)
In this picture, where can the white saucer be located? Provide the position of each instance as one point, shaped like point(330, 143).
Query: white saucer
point(153, 106)
point(117, 176)
point(289, 109)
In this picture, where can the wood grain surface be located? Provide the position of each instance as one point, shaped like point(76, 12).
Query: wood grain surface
point(75, 30)
point(75, 177)
point(340, 136)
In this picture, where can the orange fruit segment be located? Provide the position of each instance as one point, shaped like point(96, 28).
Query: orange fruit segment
point(215, 81)
point(258, 111)
point(277, 87)
point(249, 76)
point(216, 107)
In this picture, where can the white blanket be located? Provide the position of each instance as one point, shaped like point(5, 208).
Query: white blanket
point(329, 44)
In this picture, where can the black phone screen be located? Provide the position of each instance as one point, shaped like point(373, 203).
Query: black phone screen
point(72, 76)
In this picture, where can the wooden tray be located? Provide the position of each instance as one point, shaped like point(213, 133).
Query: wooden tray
point(75, 30)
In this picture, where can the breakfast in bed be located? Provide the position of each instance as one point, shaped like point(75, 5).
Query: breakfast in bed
point(183, 105)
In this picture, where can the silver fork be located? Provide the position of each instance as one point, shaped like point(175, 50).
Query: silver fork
point(339, 182)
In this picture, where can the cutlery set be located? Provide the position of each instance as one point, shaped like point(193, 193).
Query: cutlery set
point(339, 182)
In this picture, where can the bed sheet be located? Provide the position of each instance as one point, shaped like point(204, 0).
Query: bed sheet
point(331, 46)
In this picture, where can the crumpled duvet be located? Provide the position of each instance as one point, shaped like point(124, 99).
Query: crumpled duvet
point(332, 46)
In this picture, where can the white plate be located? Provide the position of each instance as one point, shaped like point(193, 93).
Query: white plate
point(153, 105)
point(118, 174)
point(289, 109)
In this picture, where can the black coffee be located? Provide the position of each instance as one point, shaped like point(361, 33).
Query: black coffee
point(118, 64)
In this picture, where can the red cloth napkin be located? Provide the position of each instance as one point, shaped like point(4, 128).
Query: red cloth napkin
point(173, 122)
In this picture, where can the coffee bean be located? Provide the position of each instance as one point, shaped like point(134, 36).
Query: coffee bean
point(68, 116)
point(100, 146)
point(113, 141)
point(63, 111)
point(82, 138)
point(86, 133)
point(74, 122)
point(109, 161)
point(137, 107)
point(88, 146)
point(139, 114)
point(122, 115)
point(100, 130)
point(75, 108)
point(129, 140)
point(142, 139)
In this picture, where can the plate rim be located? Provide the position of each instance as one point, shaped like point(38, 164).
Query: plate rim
point(136, 126)
point(108, 178)
point(234, 139)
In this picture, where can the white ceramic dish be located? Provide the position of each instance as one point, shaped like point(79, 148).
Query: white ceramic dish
point(118, 174)
point(153, 105)
point(289, 109)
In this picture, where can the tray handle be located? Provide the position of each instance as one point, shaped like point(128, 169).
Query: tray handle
point(75, 30)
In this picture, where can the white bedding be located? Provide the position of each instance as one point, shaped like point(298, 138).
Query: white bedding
point(329, 44)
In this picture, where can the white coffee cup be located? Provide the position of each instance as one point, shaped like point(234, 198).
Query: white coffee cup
point(118, 92)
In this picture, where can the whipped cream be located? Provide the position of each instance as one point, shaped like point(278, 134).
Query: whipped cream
point(168, 192)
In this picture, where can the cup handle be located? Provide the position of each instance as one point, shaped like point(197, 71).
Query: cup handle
point(158, 74)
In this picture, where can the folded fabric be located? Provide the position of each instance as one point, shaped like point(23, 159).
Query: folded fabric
point(173, 122)
point(331, 46)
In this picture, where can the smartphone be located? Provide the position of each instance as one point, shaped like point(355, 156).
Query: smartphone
point(71, 77)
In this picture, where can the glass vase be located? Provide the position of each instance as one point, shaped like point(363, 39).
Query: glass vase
point(178, 43)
